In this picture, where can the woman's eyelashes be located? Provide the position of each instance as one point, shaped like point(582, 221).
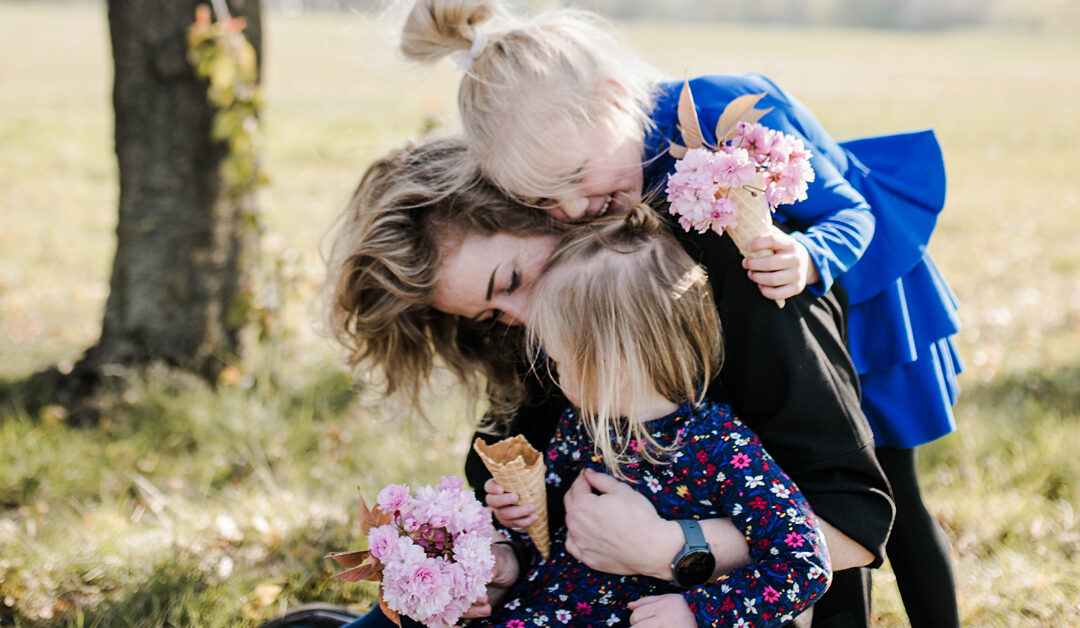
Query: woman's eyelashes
point(514, 282)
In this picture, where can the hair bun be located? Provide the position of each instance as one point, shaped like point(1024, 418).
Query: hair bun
point(436, 28)
point(642, 218)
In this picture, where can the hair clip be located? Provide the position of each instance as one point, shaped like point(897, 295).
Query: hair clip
point(463, 60)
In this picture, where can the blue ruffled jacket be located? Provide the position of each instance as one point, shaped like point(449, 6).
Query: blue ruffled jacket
point(866, 223)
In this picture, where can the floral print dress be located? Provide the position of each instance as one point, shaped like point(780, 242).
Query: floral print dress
point(719, 470)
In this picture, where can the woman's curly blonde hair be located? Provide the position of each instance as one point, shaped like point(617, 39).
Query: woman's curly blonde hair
point(412, 205)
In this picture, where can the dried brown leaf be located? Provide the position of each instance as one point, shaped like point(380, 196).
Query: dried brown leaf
point(363, 572)
point(350, 559)
point(688, 120)
point(390, 613)
point(735, 112)
point(367, 518)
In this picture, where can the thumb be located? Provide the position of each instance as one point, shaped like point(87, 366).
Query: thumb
point(601, 482)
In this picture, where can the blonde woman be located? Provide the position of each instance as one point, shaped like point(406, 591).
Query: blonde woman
point(430, 258)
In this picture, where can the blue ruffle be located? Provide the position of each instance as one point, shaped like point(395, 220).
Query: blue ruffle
point(902, 177)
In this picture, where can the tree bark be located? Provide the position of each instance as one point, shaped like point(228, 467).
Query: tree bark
point(182, 246)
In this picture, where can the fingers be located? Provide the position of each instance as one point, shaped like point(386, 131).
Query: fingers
point(516, 517)
point(501, 501)
point(643, 610)
point(772, 262)
point(578, 490)
point(775, 278)
point(786, 291)
point(601, 482)
point(491, 487)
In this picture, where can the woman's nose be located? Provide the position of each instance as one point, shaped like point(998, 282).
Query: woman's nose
point(515, 309)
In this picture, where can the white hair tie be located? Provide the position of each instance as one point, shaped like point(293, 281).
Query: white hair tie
point(463, 60)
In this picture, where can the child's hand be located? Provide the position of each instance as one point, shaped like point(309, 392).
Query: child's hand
point(786, 272)
point(661, 611)
point(505, 508)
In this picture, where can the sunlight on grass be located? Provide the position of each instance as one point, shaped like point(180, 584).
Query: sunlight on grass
point(194, 505)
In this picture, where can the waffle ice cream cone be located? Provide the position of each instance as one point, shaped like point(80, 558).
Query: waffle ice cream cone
point(754, 220)
point(518, 468)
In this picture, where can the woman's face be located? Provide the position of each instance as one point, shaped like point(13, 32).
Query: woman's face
point(491, 277)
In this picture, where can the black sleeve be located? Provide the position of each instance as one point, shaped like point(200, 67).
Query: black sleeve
point(536, 421)
point(787, 373)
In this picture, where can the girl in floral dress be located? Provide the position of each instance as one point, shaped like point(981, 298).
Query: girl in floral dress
point(625, 322)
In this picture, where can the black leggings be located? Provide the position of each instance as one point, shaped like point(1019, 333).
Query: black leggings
point(917, 549)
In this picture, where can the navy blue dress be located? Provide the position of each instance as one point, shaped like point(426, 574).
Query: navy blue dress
point(720, 470)
point(866, 223)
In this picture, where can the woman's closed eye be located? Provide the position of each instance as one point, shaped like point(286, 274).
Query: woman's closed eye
point(515, 281)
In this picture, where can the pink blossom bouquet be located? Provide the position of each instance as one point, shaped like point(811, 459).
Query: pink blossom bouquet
point(735, 186)
point(431, 550)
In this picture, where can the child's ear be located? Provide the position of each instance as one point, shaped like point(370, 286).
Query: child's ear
point(613, 91)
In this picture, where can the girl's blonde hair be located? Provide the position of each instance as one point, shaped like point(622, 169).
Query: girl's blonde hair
point(535, 89)
point(411, 206)
point(631, 311)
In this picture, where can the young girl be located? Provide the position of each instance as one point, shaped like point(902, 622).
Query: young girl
point(560, 115)
point(628, 328)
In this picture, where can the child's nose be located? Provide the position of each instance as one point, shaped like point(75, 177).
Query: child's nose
point(574, 206)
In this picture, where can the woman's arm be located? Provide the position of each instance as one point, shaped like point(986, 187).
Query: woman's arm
point(613, 528)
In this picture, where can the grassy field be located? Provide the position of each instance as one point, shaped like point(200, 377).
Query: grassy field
point(196, 507)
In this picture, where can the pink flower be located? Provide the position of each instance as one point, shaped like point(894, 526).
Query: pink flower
point(392, 498)
point(383, 542)
point(515, 623)
point(740, 461)
point(451, 483)
point(733, 168)
point(436, 556)
point(794, 540)
point(724, 213)
point(770, 594)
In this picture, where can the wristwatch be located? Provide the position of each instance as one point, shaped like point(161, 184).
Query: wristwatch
point(694, 564)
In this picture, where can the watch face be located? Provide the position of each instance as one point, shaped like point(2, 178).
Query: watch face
point(695, 568)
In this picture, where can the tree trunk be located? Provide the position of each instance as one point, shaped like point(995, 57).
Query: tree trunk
point(182, 246)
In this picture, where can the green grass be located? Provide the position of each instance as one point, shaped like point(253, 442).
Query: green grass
point(213, 507)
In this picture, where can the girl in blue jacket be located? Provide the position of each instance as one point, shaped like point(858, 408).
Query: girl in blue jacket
point(558, 114)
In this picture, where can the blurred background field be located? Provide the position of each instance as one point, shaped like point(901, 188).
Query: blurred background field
point(193, 506)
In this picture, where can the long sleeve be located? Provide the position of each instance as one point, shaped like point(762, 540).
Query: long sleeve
point(788, 376)
point(834, 223)
point(789, 566)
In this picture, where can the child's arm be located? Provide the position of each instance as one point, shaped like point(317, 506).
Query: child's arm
point(833, 226)
point(790, 567)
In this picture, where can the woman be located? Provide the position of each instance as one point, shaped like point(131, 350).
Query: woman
point(430, 257)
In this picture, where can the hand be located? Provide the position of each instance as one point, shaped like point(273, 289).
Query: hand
point(600, 528)
point(506, 509)
point(786, 271)
point(507, 571)
point(662, 611)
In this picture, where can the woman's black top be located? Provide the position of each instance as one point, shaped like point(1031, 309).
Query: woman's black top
point(788, 375)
